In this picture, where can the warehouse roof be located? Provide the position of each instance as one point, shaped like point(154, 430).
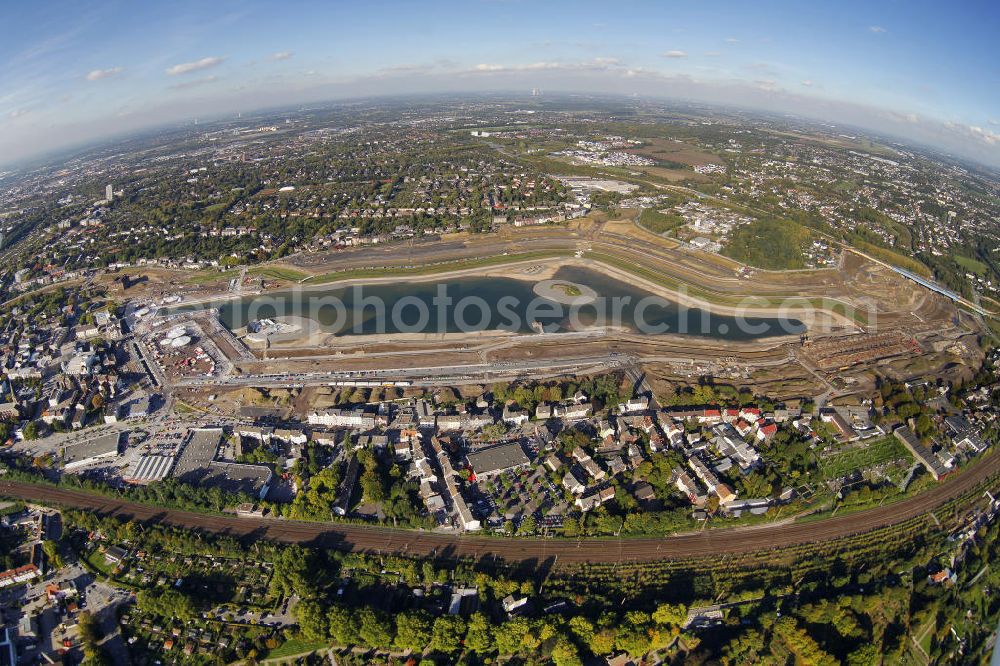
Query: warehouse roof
point(497, 459)
point(202, 445)
point(99, 447)
point(150, 467)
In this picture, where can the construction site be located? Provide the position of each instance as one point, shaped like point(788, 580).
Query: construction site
point(861, 319)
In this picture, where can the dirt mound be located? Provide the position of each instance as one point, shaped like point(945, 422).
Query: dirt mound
point(251, 396)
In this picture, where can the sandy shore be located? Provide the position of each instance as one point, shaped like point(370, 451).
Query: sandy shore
point(526, 271)
point(327, 339)
point(532, 271)
point(804, 312)
point(542, 270)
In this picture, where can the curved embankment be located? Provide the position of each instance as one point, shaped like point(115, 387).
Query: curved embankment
point(372, 539)
point(624, 263)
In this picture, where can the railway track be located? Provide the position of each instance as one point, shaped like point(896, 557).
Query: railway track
point(383, 540)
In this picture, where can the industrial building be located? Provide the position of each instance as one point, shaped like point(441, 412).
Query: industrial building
point(497, 459)
point(196, 465)
point(253, 480)
point(923, 455)
point(149, 468)
point(93, 451)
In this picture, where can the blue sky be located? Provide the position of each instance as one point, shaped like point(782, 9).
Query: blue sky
point(74, 71)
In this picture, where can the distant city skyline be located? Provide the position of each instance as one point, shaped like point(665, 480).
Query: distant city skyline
point(77, 72)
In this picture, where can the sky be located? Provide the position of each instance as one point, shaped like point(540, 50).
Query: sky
point(75, 71)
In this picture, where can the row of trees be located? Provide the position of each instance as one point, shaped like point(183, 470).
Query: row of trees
point(844, 601)
point(566, 641)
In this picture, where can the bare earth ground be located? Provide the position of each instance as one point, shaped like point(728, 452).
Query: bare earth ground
point(618, 247)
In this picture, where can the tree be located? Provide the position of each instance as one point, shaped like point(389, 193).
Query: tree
point(312, 620)
point(344, 626)
point(626, 502)
point(582, 628)
point(166, 603)
point(479, 638)
point(603, 641)
point(89, 631)
point(564, 653)
point(413, 630)
point(295, 572)
point(507, 637)
point(495, 430)
point(93, 655)
point(30, 431)
point(670, 614)
point(924, 426)
point(754, 484)
point(634, 637)
point(865, 655)
point(528, 525)
point(744, 648)
point(446, 635)
point(805, 648)
point(429, 574)
point(51, 550)
point(374, 628)
point(514, 635)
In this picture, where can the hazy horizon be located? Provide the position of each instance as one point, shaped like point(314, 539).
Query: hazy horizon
point(74, 74)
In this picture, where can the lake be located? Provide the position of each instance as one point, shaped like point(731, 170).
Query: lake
point(495, 303)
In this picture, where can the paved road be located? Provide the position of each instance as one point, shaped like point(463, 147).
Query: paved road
point(372, 539)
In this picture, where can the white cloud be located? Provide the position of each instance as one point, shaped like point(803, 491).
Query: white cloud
point(595, 64)
point(676, 53)
point(188, 67)
point(910, 118)
point(807, 82)
point(986, 135)
point(732, 40)
point(712, 54)
point(282, 55)
point(98, 74)
point(876, 29)
point(17, 113)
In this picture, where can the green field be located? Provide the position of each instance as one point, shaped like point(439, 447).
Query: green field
point(212, 275)
point(97, 560)
point(864, 455)
point(818, 303)
point(295, 646)
point(278, 273)
point(894, 258)
point(265, 271)
point(659, 223)
point(481, 262)
point(970, 264)
point(769, 244)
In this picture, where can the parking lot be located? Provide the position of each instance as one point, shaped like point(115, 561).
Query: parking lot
point(514, 495)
